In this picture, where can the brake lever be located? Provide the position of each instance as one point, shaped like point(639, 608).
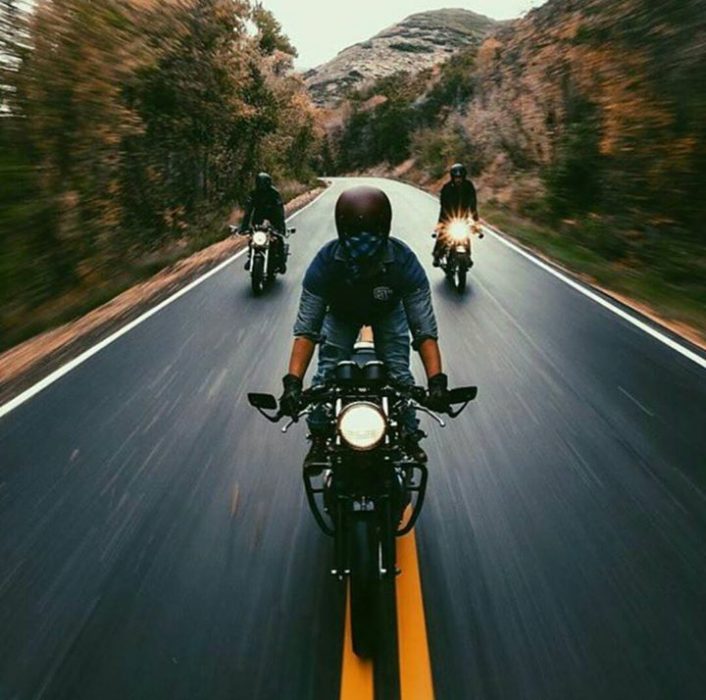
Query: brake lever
point(292, 421)
point(424, 409)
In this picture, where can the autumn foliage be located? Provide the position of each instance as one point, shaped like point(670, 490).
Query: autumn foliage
point(128, 126)
point(587, 116)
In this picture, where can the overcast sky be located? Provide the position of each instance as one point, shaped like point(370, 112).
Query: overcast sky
point(321, 28)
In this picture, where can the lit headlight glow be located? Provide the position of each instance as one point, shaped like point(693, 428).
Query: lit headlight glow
point(259, 238)
point(459, 230)
point(362, 425)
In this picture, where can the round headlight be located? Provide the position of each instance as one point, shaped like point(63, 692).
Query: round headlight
point(259, 238)
point(459, 230)
point(362, 425)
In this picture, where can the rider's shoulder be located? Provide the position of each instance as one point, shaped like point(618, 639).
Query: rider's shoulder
point(321, 268)
point(327, 254)
point(400, 249)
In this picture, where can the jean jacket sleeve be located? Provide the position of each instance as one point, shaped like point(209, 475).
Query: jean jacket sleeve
point(420, 315)
point(310, 317)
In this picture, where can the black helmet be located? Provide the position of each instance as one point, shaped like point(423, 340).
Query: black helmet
point(363, 209)
point(458, 170)
point(262, 181)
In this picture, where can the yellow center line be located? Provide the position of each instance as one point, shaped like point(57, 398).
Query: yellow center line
point(415, 665)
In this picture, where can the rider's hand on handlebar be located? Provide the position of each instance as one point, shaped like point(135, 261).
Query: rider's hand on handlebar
point(290, 401)
point(438, 398)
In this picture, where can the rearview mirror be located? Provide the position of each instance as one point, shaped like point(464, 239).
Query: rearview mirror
point(292, 230)
point(263, 401)
point(463, 394)
point(433, 235)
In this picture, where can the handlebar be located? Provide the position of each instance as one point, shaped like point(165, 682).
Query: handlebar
point(416, 395)
point(235, 230)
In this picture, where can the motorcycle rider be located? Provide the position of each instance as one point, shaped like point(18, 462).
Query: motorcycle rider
point(364, 277)
point(265, 204)
point(458, 201)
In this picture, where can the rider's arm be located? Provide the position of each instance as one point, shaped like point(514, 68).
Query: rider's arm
point(473, 201)
point(431, 356)
point(420, 316)
point(275, 209)
point(302, 352)
point(418, 308)
point(310, 319)
point(422, 323)
point(443, 204)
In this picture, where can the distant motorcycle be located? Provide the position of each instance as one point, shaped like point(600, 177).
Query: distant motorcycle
point(366, 493)
point(456, 260)
point(266, 261)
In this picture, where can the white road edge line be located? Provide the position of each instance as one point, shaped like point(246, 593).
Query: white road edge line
point(42, 384)
point(650, 330)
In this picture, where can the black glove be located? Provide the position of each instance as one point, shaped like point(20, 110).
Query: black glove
point(289, 402)
point(438, 399)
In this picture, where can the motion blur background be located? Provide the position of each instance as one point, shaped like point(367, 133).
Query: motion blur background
point(131, 129)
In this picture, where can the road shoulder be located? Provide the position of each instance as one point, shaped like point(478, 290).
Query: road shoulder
point(31, 361)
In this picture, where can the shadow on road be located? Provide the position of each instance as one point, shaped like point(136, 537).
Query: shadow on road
point(444, 291)
point(274, 291)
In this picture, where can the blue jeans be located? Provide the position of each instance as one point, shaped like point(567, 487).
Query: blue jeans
point(391, 346)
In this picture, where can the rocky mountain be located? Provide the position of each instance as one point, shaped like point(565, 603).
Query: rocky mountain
point(420, 41)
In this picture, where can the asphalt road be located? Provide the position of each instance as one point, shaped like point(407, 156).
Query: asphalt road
point(155, 542)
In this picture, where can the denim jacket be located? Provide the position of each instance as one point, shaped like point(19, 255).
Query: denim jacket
point(329, 287)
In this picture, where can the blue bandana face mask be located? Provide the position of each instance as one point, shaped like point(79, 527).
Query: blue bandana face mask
point(361, 249)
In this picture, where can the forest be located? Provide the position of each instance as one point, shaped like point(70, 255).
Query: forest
point(130, 129)
point(584, 126)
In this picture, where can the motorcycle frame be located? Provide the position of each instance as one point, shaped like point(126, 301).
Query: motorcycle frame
point(367, 484)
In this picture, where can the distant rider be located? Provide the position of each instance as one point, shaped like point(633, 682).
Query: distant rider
point(364, 277)
point(458, 201)
point(265, 204)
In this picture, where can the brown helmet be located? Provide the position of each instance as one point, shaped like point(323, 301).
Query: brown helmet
point(363, 209)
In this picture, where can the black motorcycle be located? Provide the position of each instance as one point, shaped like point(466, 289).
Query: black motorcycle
point(268, 253)
point(366, 492)
point(456, 258)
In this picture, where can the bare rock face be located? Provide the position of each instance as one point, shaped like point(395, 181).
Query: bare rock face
point(421, 41)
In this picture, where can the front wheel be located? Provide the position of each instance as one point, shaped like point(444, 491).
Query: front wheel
point(363, 584)
point(461, 274)
point(257, 274)
point(374, 604)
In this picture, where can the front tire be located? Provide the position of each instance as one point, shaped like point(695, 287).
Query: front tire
point(363, 585)
point(374, 605)
point(257, 275)
point(461, 274)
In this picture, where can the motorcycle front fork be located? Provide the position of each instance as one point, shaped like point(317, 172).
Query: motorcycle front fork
point(386, 529)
